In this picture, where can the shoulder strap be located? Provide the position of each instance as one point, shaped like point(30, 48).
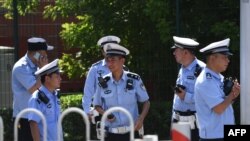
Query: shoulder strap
point(43, 97)
point(134, 76)
point(103, 81)
point(197, 70)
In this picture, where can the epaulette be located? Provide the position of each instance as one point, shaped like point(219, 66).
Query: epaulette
point(134, 76)
point(97, 63)
point(208, 76)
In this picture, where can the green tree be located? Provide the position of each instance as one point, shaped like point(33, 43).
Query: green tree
point(145, 27)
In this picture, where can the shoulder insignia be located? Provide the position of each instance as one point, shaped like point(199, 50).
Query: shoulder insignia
point(208, 76)
point(134, 76)
point(97, 63)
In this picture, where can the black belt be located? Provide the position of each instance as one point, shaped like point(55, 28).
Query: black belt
point(187, 113)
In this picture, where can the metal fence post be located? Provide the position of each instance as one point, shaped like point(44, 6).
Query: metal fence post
point(109, 111)
point(1, 129)
point(77, 110)
point(24, 112)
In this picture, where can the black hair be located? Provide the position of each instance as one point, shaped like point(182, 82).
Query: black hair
point(43, 76)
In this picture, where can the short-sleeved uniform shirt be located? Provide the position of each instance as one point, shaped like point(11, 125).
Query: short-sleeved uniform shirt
point(51, 111)
point(116, 94)
point(208, 94)
point(91, 83)
point(23, 78)
point(187, 78)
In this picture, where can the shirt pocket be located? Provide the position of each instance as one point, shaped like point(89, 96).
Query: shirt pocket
point(129, 97)
point(189, 83)
point(49, 114)
point(108, 98)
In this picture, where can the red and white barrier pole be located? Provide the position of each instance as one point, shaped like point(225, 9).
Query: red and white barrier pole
point(181, 131)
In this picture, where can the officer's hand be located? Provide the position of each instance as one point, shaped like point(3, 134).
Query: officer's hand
point(90, 116)
point(138, 124)
point(43, 60)
point(236, 89)
point(111, 118)
point(181, 94)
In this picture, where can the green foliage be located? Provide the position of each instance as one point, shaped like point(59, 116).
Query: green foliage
point(145, 28)
point(71, 65)
point(71, 100)
point(23, 7)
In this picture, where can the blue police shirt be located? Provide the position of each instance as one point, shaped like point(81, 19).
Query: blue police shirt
point(116, 94)
point(51, 111)
point(98, 69)
point(208, 94)
point(187, 78)
point(23, 79)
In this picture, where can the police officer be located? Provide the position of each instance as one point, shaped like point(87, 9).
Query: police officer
point(24, 82)
point(46, 100)
point(97, 70)
point(183, 103)
point(123, 89)
point(214, 108)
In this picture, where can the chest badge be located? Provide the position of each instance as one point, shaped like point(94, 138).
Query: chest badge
point(107, 91)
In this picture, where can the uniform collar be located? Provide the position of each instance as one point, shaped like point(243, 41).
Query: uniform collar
point(122, 78)
point(46, 91)
point(192, 65)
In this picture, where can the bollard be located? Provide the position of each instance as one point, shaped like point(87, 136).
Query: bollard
point(24, 112)
point(109, 111)
point(181, 131)
point(77, 110)
point(150, 138)
point(1, 129)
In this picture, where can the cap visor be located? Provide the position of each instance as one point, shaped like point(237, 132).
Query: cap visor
point(226, 53)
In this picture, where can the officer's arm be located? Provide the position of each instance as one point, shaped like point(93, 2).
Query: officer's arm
point(34, 130)
point(145, 109)
point(220, 108)
point(35, 86)
point(140, 120)
point(89, 89)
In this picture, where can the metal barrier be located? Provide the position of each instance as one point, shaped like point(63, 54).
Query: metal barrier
point(1, 129)
point(24, 112)
point(78, 110)
point(109, 111)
